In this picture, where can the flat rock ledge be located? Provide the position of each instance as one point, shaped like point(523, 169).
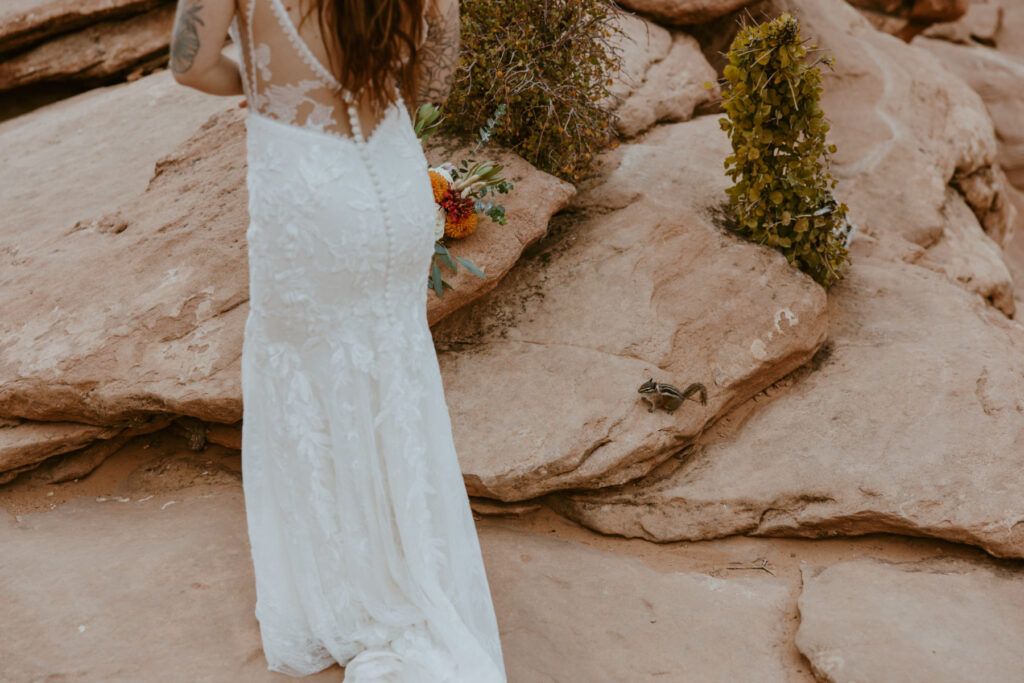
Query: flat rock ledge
point(584, 614)
point(99, 53)
point(940, 620)
point(912, 423)
point(27, 22)
point(566, 612)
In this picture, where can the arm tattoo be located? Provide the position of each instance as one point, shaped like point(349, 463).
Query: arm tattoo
point(185, 42)
point(440, 55)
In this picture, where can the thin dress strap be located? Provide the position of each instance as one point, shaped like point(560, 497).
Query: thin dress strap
point(303, 49)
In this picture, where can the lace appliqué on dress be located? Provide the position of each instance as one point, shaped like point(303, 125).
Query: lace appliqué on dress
point(284, 101)
point(363, 541)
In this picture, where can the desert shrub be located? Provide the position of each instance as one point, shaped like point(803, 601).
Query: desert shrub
point(782, 191)
point(549, 64)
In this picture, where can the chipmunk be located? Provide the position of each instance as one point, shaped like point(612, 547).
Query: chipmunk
point(668, 397)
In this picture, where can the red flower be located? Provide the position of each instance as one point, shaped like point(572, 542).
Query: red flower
point(461, 212)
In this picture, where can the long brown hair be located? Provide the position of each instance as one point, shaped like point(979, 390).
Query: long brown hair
point(368, 39)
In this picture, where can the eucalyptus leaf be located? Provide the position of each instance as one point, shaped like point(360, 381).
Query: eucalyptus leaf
point(435, 274)
point(447, 259)
point(471, 267)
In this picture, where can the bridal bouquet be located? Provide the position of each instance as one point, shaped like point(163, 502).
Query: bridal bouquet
point(461, 193)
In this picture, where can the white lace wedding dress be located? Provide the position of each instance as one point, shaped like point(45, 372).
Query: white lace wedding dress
point(363, 543)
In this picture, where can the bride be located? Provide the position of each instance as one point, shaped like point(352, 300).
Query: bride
point(363, 543)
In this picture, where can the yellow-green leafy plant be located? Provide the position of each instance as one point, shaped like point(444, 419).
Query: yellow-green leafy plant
point(782, 191)
point(549, 64)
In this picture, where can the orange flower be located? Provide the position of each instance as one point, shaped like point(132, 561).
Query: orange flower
point(460, 225)
point(440, 185)
point(460, 213)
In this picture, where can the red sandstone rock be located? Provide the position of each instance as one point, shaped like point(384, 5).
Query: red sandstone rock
point(94, 54)
point(636, 281)
point(24, 22)
point(683, 12)
point(662, 76)
point(998, 78)
point(912, 424)
point(939, 620)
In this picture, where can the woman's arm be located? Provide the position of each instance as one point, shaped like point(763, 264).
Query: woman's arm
point(439, 56)
point(200, 27)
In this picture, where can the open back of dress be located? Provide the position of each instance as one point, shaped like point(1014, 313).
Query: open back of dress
point(363, 543)
point(286, 72)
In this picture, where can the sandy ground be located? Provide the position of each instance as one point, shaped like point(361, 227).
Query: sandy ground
point(73, 553)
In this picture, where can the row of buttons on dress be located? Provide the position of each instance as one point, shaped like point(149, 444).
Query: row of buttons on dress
point(353, 116)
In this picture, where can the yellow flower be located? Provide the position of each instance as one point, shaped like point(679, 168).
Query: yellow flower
point(460, 224)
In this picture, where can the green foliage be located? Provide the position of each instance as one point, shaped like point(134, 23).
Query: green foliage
point(442, 255)
point(427, 120)
point(548, 64)
point(782, 192)
point(487, 173)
